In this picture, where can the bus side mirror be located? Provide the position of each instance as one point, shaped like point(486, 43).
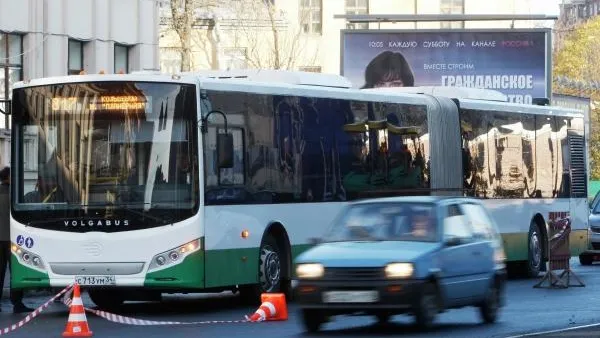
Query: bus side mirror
point(225, 150)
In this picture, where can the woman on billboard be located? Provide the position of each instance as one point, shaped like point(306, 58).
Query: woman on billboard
point(388, 69)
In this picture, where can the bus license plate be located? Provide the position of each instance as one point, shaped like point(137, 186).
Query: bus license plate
point(95, 280)
point(350, 296)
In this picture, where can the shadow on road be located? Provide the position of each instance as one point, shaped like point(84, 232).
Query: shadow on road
point(393, 329)
point(185, 304)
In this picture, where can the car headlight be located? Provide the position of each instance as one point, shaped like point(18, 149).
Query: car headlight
point(310, 270)
point(399, 270)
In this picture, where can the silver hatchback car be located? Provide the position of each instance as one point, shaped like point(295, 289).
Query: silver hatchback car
point(588, 257)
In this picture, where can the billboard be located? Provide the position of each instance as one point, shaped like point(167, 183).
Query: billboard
point(516, 62)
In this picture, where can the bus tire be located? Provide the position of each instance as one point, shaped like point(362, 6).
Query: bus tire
point(109, 300)
point(535, 252)
point(270, 268)
point(270, 271)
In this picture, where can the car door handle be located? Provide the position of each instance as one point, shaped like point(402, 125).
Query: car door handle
point(476, 253)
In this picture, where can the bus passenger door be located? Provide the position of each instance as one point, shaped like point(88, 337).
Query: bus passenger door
point(229, 260)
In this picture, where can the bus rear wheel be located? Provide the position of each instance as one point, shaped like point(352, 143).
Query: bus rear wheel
point(535, 257)
point(109, 300)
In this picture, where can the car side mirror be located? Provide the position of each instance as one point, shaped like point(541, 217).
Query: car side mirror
point(452, 241)
point(225, 150)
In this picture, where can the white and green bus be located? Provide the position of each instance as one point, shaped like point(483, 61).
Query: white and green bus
point(135, 185)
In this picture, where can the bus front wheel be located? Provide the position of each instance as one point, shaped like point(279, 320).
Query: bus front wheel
point(270, 269)
point(106, 299)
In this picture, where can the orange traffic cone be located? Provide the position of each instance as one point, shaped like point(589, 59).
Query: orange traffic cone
point(273, 307)
point(77, 325)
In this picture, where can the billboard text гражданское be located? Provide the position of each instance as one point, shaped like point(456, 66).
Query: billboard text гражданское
point(515, 62)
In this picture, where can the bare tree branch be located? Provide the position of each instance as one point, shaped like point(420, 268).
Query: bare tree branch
point(267, 35)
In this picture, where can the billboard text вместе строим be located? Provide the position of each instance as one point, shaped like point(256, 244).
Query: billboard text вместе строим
point(514, 62)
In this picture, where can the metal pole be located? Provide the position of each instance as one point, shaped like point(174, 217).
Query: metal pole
point(416, 11)
point(363, 18)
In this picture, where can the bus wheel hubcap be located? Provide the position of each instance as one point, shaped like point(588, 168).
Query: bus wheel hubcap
point(536, 254)
point(271, 269)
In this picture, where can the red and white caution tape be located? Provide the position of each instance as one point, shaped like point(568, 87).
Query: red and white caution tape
point(134, 321)
point(143, 322)
point(34, 313)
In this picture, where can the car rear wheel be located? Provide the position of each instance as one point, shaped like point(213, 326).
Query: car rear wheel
point(313, 320)
point(427, 307)
point(585, 260)
point(490, 307)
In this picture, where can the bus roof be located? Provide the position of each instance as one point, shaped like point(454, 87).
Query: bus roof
point(281, 82)
point(135, 76)
point(481, 99)
point(451, 92)
point(518, 108)
point(280, 76)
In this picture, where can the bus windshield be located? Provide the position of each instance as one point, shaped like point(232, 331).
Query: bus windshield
point(107, 152)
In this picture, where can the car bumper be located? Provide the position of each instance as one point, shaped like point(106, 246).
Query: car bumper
point(393, 296)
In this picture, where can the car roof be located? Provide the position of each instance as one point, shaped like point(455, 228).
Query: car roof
point(418, 199)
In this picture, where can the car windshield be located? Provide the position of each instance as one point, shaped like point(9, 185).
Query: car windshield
point(385, 222)
point(595, 204)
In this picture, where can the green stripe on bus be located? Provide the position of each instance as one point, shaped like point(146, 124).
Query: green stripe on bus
point(187, 274)
point(237, 266)
point(515, 244)
point(24, 277)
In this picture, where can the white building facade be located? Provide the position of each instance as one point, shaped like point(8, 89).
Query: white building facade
point(317, 32)
point(43, 38)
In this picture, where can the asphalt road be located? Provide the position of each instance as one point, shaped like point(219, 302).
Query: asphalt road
point(527, 311)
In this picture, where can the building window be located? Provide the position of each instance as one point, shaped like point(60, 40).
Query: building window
point(311, 16)
point(452, 7)
point(312, 69)
point(121, 59)
point(235, 58)
point(75, 57)
point(357, 7)
point(11, 68)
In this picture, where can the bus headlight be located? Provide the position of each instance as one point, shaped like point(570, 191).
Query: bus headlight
point(27, 257)
point(399, 270)
point(173, 256)
point(310, 270)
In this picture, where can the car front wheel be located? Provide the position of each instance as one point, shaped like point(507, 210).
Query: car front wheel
point(313, 320)
point(427, 307)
